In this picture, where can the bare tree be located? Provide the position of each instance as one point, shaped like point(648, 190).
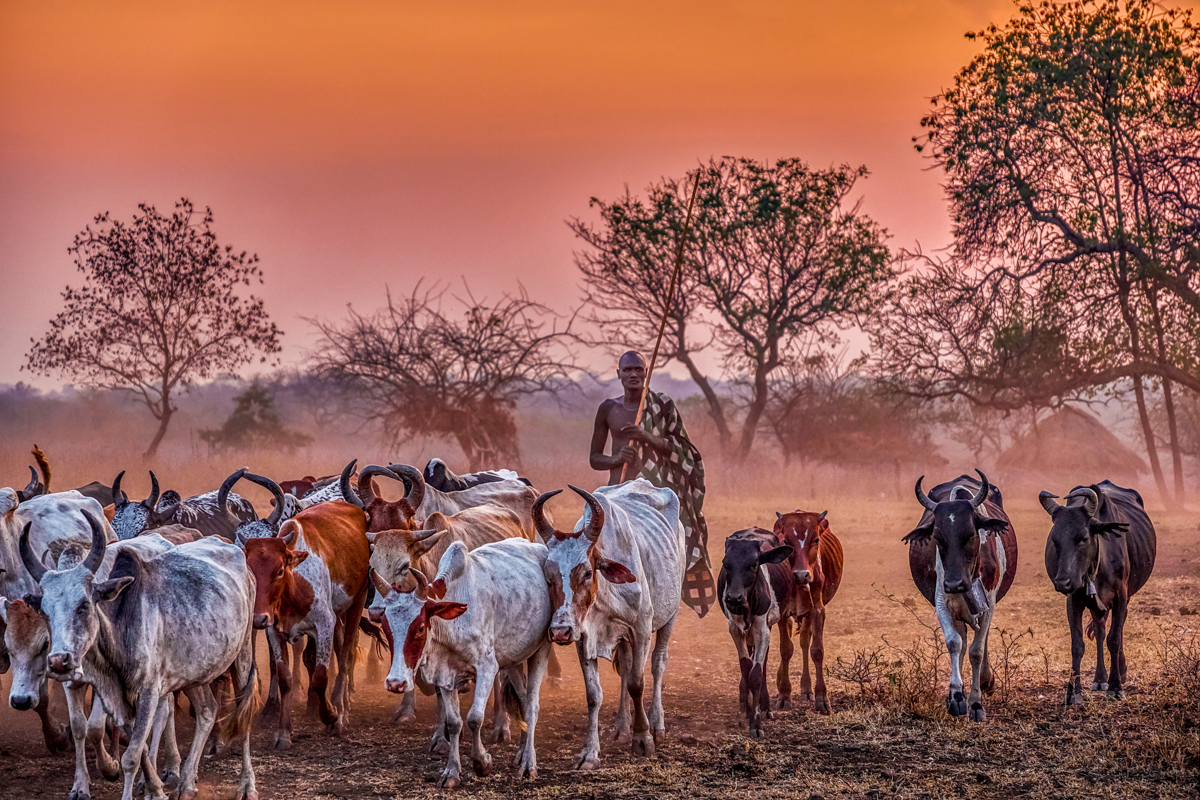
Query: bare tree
point(776, 255)
point(158, 310)
point(420, 371)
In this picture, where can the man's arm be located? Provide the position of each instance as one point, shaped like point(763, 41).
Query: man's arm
point(637, 433)
point(597, 458)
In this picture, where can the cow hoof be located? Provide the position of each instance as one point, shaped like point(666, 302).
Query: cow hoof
point(783, 703)
point(587, 762)
point(501, 735)
point(282, 741)
point(244, 795)
point(79, 794)
point(169, 777)
point(643, 745)
point(956, 704)
point(822, 705)
point(59, 742)
point(1074, 699)
point(806, 696)
point(438, 745)
point(449, 780)
point(1097, 686)
point(659, 735)
point(403, 714)
point(1115, 694)
point(977, 713)
point(755, 732)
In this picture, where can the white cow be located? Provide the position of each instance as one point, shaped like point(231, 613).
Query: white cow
point(631, 535)
point(52, 517)
point(464, 627)
point(170, 623)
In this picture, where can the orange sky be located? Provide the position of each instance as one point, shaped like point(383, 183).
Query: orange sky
point(357, 144)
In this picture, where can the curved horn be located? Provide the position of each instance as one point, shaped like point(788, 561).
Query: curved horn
point(984, 489)
point(32, 486)
point(423, 534)
point(35, 568)
point(1091, 503)
point(366, 490)
point(99, 544)
point(597, 521)
point(118, 499)
point(381, 586)
point(923, 498)
point(422, 589)
point(344, 484)
point(152, 500)
point(273, 488)
point(290, 538)
point(223, 492)
point(540, 524)
point(1049, 502)
point(412, 476)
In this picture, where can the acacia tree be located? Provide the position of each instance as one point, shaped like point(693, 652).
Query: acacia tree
point(418, 370)
point(775, 257)
point(158, 309)
point(1071, 147)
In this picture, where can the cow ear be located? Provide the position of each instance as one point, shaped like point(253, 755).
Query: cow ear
point(1108, 528)
point(445, 610)
point(371, 538)
point(423, 546)
point(990, 524)
point(613, 571)
point(775, 555)
point(296, 557)
point(4, 603)
point(919, 534)
point(778, 516)
point(111, 589)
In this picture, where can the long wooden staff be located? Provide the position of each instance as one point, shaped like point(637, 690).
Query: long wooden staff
point(662, 326)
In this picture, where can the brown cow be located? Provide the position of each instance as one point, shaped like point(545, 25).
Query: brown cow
point(312, 578)
point(816, 571)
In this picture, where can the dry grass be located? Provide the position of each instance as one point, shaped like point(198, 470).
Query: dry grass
point(889, 735)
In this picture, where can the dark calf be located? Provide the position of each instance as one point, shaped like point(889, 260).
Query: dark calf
point(749, 597)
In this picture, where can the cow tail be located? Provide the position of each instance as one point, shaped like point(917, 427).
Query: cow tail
point(1091, 626)
point(379, 643)
point(512, 701)
point(43, 465)
point(247, 701)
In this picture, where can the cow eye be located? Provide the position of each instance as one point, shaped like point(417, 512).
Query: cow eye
point(45, 647)
point(279, 573)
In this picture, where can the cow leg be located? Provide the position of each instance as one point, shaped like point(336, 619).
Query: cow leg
point(347, 656)
point(978, 646)
point(757, 680)
point(135, 756)
point(538, 666)
point(309, 655)
point(201, 698)
point(804, 634)
point(164, 726)
point(97, 725)
point(589, 757)
point(282, 740)
point(622, 657)
point(783, 678)
point(744, 663)
point(658, 668)
point(1100, 683)
point(326, 636)
point(501, 727)
point(438, 741)
point(76, 697)
point(271, 707)
point(485, 680)
point(452, 774)
point(988, 682)
point(407, 710)
point(956, 703)
point(53, 731)
point(1075, 623)
point(635, 678)
point(818, 658)
point(1116, 649)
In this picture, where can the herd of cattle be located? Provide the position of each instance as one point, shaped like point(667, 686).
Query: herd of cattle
point(127, 604)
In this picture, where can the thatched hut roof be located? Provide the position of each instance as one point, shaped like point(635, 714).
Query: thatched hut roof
point(1071, 442)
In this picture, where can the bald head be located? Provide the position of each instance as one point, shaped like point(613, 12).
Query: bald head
point(631, 370)
point(631, 358)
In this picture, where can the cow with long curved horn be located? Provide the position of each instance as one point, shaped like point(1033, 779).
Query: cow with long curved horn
point(963, 557)
point(129, 518)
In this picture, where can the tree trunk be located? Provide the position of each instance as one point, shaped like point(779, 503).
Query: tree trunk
point(1168, 400)
point(1148, 435)
point(163, 421)
point(758, 405)
point(710, 396)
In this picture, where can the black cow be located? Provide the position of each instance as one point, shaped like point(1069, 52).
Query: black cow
point(1099, 553)
point(751, 602)
point(963, 558)
point(203, 512)
point(439, 476)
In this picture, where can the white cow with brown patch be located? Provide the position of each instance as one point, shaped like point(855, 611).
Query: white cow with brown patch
point(615, 581)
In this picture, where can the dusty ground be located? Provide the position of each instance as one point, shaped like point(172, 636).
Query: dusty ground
point(894, 740)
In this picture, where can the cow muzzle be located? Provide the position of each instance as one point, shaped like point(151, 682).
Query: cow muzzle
point(375, 615)
point(60, 663)
point(1065, 586)
point(262, 621)
point(803, 577)
point(562, 635)
point(396, 686)
point(954, 587)
point(21, 702)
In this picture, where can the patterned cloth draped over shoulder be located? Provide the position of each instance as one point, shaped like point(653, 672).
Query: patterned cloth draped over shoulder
point(681, 470)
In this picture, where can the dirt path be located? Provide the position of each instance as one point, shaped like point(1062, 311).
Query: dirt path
point(1031, 745)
